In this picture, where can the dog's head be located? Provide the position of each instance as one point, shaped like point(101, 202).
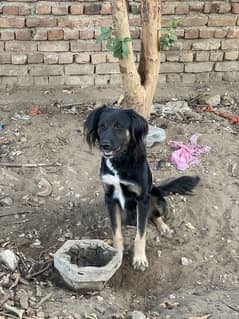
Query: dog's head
point(115, 130)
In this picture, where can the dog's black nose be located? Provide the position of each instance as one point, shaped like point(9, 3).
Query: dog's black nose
point(105, 145)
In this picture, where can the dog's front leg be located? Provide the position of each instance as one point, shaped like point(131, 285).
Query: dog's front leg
point(116, 224)
point(140, 261)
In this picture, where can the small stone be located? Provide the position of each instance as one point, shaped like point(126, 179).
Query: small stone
point(174, 107)
point(6, 201)
point(99, 298)
point(212, 100)
point(155, 135)
point(8, 258)
point(136, 315)
point(186, 261)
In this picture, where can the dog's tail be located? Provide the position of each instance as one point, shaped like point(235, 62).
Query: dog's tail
point(182, 185)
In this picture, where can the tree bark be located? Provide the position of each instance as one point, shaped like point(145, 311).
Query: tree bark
point(139, 86)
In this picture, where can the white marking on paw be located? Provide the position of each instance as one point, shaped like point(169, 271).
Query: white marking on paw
point(140, 262)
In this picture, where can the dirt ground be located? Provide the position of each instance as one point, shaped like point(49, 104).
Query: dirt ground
point(206, 225)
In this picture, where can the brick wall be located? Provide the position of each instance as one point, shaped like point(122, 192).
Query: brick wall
point(53, 42)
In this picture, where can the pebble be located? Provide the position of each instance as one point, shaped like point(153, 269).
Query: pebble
point(6, 201)
point(186, 261)
point(8, 258)
point(136, 315)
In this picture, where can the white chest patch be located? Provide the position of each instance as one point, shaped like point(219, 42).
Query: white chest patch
point(115, 181)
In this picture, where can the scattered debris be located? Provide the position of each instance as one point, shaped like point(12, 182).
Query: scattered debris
point(234, 119)
point(190, 226)
point(155, 135)
point(186, 154)
point(136, 315)
point(16, 311)
point(9, 259)
point(21, 116)
point(45, 186)
point(174, 107)
point(6, 201)
point(169, 305)
point(186, 261)
point(35, 111)
point(212, 100)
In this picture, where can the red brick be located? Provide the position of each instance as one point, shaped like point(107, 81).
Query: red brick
point(198, 67)
point(110, 58)
point(233, 33)
point(206, 33)
point(41, 22)
point(82, 58)
point(93, 8)
point(43, 8)
point(107, 68)
point(191, 34)
point(23, 35)
point(12, 22)
point(235, 8)
point(40, 34)
point(220, 34)
point(53, 46)
point(103, 21)
point(225, 8)
point(73, 22)
point(39, 70)
point(19, 58)
point(195, 21)
point(55, 34)
point(135, 21)
point(75, 69)
point(70, 34)
point(5, 58)
point(35, 58)
point(186, 57)
point(51, 58)
point(65, 58)
point(135, 33)
point(60, 10)
point(84, 45)
point(7, 35)
point(198, 7)
point(86, 34)
point(168, 8)
point(76, 9)
point(10, 10)
point(97, 58)
point(106, 8)
point(231, 55)
point(19, 46)
point(230, 44)
point(221, 20)
point(182, 9)
point(202, 56)
point(211, 7)
point(24, 11)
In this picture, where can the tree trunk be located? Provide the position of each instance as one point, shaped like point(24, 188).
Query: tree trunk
point(139, 86)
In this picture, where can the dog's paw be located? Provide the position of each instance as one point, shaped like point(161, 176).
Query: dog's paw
point(165, 231)
point(140, 262)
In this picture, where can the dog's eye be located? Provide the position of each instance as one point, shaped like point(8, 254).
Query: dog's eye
point(117, 125)
point(102, 127)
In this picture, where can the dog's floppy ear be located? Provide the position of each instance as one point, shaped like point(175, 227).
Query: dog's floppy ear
point(91, 124)
point(139, 127)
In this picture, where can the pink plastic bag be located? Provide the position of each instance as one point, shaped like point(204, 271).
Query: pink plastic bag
point(186, 155)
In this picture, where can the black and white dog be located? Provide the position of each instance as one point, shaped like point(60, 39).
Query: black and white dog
point(130, 195)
